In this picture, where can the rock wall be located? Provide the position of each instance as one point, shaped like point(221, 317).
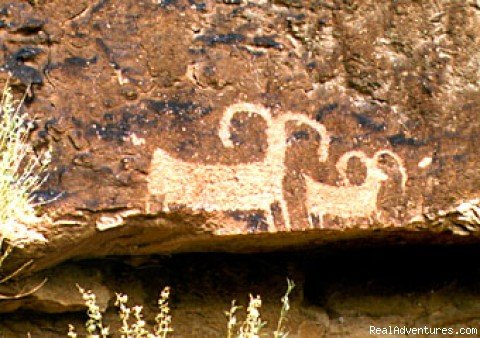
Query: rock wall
point(182, 125)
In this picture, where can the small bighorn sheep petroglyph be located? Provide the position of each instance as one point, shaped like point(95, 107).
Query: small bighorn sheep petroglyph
point(349, 200)
point(240, 187)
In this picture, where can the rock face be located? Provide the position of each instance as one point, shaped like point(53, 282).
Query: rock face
point(175, 125)
point(59, 293)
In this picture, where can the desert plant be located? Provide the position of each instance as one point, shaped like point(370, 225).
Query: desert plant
point(21, 173)
point(281, 332)
point(136, 329)
point(94, 324)
point(252, 325)
point(163, 318)
point(134, 326)
point(232, 319)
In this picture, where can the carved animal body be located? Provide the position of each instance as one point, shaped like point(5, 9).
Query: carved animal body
point(349, 200)
point(241, 187)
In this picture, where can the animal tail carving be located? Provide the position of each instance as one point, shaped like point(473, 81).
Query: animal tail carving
point(225, 123)
point(399, 161)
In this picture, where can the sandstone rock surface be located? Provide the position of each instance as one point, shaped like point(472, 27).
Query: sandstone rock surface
point(248, 126)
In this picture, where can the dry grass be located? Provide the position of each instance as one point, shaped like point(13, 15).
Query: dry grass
point(21, 173)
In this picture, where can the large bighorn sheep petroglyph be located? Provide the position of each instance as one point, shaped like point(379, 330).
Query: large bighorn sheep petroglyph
point(349, 200)
point(241, 187)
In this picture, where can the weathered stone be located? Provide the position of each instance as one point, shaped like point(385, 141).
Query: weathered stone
point(178, 124)
point(59, 293)
point(314, 327)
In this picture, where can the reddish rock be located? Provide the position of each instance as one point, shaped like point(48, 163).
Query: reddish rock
point(175, 125)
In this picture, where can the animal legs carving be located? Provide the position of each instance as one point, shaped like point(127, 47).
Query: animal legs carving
point(349, 200)
point(243, 187)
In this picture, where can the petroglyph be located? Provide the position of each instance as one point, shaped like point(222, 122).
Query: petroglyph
point(259, 185)
point(241, 187)
point(349, 200)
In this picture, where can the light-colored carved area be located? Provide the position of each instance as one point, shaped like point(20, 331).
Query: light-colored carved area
point(242, 187)
point(259, 185)
point(349, 200)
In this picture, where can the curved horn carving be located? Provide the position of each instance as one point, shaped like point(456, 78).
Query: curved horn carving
point(225, 123)
point(318, 127)
point(399, 161)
